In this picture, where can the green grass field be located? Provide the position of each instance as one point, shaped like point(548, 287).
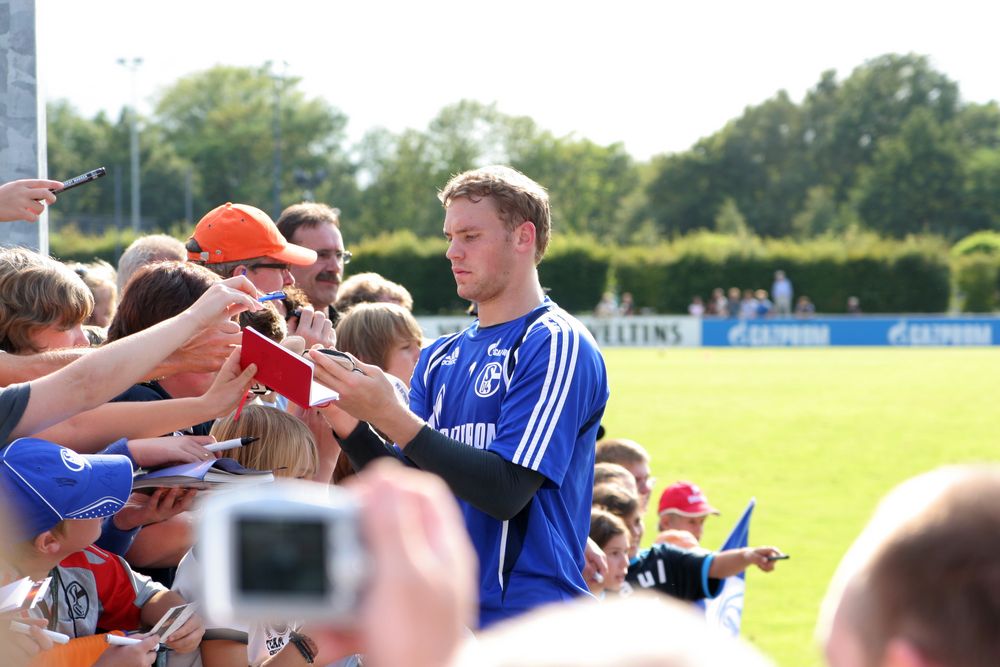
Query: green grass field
point(818, 436)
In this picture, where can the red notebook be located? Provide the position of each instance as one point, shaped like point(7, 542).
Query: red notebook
point(287, 373)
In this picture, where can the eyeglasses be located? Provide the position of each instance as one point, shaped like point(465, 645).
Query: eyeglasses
point(344, 257)
point(263, 265)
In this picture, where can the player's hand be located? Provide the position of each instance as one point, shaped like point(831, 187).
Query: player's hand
point(595, 565)
point(26, 199)
point(365, 392)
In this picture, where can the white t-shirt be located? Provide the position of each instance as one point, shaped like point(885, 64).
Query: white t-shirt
point(263, 641)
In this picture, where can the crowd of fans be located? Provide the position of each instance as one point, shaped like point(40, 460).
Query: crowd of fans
point(104, 372)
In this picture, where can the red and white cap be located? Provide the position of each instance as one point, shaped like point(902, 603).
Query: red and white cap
point(686, 499)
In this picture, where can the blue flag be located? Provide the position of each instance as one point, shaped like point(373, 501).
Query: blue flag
point(725, 611)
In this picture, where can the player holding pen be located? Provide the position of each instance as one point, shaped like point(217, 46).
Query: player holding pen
point(506, 412)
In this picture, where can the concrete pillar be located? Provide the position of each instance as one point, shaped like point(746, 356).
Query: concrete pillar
point(22, 115)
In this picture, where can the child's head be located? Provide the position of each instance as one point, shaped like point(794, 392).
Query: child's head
point(634, 458)
point(56, 498)
point(286, 445)
point(157, 292)
point(683, 506)
point(101, 279)
point(371, 288)
point(383, 334)
point(612, 536)
point(43, 303)
point(625, 506)
point(612, 473)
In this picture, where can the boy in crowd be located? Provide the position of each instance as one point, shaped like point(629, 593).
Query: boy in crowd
point(57, 499)
point(633, 457)
point(683, 506)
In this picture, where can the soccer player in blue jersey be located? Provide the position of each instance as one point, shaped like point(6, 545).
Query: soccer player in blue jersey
point(506, 411)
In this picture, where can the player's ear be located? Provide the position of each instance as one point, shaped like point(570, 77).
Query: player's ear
point(525, 235)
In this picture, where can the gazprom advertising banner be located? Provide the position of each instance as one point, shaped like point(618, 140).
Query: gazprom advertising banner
point(819, 332)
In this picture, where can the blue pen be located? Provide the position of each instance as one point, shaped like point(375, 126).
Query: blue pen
point(272, 296)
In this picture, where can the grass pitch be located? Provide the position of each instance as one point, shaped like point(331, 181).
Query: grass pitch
point(818, 436)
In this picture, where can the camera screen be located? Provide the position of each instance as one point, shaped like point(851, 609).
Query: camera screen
point(282, 557)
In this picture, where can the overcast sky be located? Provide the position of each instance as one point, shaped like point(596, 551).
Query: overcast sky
point(656, 75)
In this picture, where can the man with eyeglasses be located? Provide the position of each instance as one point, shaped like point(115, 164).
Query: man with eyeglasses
point(237, 239)
point(317, 226)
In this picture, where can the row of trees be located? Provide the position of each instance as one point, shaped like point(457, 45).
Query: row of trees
point(892, 148)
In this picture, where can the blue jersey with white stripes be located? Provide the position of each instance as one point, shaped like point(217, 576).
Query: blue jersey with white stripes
point(533, 391)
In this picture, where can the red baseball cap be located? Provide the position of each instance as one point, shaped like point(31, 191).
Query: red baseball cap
point(233, 232)
point(686, 499)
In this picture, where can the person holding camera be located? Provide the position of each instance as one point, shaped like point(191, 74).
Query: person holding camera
point(506, 411)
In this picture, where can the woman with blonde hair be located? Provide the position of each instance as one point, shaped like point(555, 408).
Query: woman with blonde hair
point(286, 446)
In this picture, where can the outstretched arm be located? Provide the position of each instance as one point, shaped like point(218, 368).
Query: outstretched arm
point(733, 561)
point(104, 373)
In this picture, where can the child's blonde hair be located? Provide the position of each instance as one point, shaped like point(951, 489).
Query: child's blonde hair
point(370, 330)
point(286, 445)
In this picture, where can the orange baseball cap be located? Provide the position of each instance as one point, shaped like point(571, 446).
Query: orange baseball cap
point(233, 232)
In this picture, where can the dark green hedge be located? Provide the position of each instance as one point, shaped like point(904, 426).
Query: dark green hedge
point(888, 276)
point(892, 277)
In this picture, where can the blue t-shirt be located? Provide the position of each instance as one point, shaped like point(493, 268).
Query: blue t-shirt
point(533, 391)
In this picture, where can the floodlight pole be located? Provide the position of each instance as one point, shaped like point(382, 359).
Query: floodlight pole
point(133, 66)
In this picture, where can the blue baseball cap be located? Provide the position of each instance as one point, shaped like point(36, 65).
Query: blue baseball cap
point(44, 483)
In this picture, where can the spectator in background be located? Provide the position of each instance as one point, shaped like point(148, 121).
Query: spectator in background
point(371, 288)
point(146, 250)
point(383, 334)
point(733, 301)
point(782, 292)
point(696, 308)
point(611, 535)
point(633, 457)
point(624, 505)
point(627, 306)
point(608, 306)
point(716, 306)
point(764, 305)
point(920, 587)
point(683, 506)
point(317, 227)
point(853, 305)
point(804, 307)
point(100, 278)
point(237, 239)
point(43, 303)
point(612, 473)
point(748, 305)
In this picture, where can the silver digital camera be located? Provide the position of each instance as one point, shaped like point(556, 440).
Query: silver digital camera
point(287, 550)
